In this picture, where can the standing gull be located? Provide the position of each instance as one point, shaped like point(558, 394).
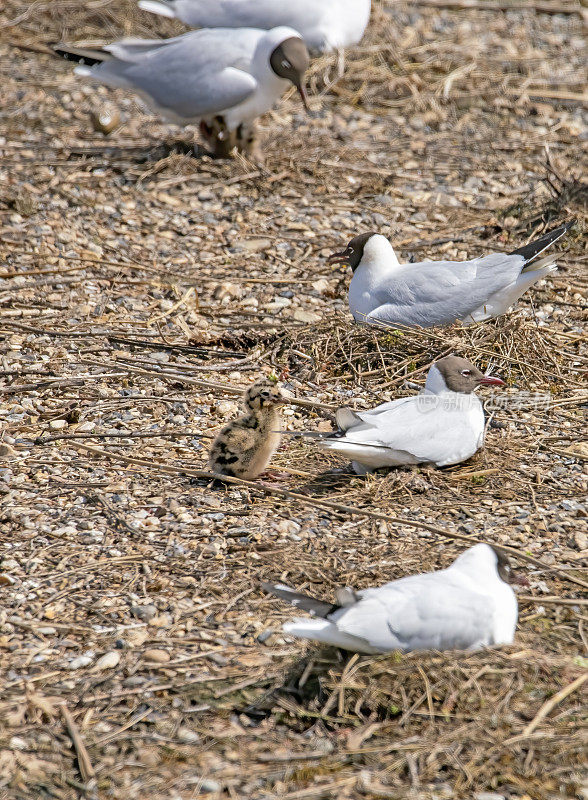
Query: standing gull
point(222, 78)
point(325, 25)
point(244, 447)
point(441, 426)
point(467, 606)
point(429, 293)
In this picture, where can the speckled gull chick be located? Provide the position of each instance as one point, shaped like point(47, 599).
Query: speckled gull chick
point(244, 447)
point(429, 293)
point(325, 25)
point(222, 78)
point(467, 606)
point(442, 425)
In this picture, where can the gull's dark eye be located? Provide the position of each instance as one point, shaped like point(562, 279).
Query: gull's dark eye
point(286, 64)
point(265, 393)
point(466, 372)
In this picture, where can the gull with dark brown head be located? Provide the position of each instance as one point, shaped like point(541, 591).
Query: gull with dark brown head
point(442, 425)
point(427, 293)
point(221, 78)
point(467, 606)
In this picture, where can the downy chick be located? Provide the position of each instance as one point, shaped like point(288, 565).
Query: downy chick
point(244, 447)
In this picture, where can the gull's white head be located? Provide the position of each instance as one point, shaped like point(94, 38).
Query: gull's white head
point(482, 561)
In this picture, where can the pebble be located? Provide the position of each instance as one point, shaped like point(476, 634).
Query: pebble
point(161, 620)
point(488, 796)
point(305, 316)
point(144, 613)
point(160, 656)
point(133, 681)
point(6, 451)
point(160, 356)
point(58, 424)
point(107, 661)
point(255, 245)
point(136, 637)
point(226, 407)
point(581, 540)
point(86, 427)
point(208, 785)
point(80, 662)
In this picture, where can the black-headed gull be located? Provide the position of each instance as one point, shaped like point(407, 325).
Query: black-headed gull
point(244, 447)
point(467, 606)
point(442, 425)
point(325, 25)
point(429, 293)
point(222, 78)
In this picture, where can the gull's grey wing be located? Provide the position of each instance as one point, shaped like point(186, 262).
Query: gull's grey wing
point(421, 612)
point(440, 292)
point(347, 419)
point(195, 75)
point(384, 408)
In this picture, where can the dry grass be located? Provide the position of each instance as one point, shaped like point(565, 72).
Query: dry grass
point(142, 288)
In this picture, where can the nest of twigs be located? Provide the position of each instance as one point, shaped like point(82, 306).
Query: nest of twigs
point(474, 722)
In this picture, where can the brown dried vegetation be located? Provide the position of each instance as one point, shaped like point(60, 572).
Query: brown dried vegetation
point(141, 288)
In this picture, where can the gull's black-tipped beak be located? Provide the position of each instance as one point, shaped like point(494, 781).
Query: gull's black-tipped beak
point(339, 258)
point(303, 97)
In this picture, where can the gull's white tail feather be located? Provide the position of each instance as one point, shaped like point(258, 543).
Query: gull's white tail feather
point(321, 630)
point(501, 301)
point(158, 7)
point(543, 263)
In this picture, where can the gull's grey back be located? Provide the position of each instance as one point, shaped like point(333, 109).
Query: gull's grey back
point(194, 75)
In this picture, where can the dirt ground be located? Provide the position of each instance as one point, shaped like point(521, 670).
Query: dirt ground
point(142, 288)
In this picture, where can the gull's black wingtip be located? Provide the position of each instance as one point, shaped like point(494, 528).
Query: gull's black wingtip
point(304, 602)
point(80, 55)
point(535, 248)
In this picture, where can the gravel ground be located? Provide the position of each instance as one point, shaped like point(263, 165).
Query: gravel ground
point(142, 288)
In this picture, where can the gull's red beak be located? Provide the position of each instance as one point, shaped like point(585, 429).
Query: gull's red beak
point(520, 580)
point(491, 380)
